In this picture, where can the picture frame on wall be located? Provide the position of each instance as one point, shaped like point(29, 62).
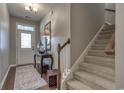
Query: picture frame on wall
point(47, 28)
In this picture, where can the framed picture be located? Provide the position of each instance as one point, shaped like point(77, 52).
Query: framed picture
point(48, 28)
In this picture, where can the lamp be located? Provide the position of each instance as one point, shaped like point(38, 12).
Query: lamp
point(46, 35)
point(46, 32)
point(31, 8)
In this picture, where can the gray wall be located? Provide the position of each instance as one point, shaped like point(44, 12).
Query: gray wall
point(119, 49)
point(60, 30)
point(13, 21)
point(86, 19)
point(4, 40)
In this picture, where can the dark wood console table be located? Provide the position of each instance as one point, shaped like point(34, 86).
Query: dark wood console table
point(43, 57)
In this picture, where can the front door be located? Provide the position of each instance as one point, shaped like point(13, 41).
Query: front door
point(25, 46)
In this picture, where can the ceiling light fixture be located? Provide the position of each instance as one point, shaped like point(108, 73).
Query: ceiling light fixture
point(31, 8)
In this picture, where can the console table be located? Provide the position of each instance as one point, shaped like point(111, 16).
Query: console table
point(42, 57)
point(46, 56)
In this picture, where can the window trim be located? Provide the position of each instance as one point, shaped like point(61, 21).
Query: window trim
point(24, 24)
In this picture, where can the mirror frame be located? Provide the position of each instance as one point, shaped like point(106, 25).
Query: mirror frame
point(45, 27)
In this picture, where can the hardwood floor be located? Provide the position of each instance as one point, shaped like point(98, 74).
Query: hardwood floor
point(9, 82)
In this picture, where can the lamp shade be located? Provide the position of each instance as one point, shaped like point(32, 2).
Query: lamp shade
point(46, 32)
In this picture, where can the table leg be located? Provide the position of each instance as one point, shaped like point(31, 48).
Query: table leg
point(51, 62)
point(35, 60)
point(41, 66)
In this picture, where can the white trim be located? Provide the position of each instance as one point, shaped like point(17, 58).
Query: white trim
point(80, 59)
point(5, 76)
point(25, 24)
point(24, 64)
point(108, 23)
point(18, 41)
point(13, 65)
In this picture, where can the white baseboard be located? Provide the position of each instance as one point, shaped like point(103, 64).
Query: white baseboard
point(5, 76)
point(24, 64)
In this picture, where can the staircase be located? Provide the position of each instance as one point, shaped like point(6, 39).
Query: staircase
point(97, 71)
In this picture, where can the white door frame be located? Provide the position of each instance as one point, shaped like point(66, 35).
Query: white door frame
point(17, 39)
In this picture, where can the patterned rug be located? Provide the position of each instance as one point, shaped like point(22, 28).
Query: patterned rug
point(27, 78)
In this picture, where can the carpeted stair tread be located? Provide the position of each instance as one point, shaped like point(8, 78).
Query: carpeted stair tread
point(102, 71)
point(93, 80)
point(103, 61)
point(98, 46)
point(74, 84)
point(99, 53)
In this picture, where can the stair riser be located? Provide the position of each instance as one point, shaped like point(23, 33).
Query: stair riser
point(98, 72)
point(97, 68)
point(70, 88)
point(104, 36)
point(108, 28)
point(107, 32)
point(101, 42)
point(101, 54)
point(98, 47)
point(87, 82)
point(103, 62)
point(72, 84)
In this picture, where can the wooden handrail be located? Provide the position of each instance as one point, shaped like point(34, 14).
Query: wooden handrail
point(67, 42)
point(110, 49)
point(59, 68)
point(110, 10)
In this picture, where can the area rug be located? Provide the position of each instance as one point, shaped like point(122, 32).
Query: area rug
point(27, 78)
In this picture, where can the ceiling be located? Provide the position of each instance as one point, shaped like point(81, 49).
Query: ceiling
point(17, 9)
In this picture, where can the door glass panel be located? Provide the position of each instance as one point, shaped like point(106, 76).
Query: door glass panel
point(25, 27)
point(25, 40)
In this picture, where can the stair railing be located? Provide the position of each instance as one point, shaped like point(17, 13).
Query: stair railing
point(110, 10)
point(60, 48)
point(110, 49)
